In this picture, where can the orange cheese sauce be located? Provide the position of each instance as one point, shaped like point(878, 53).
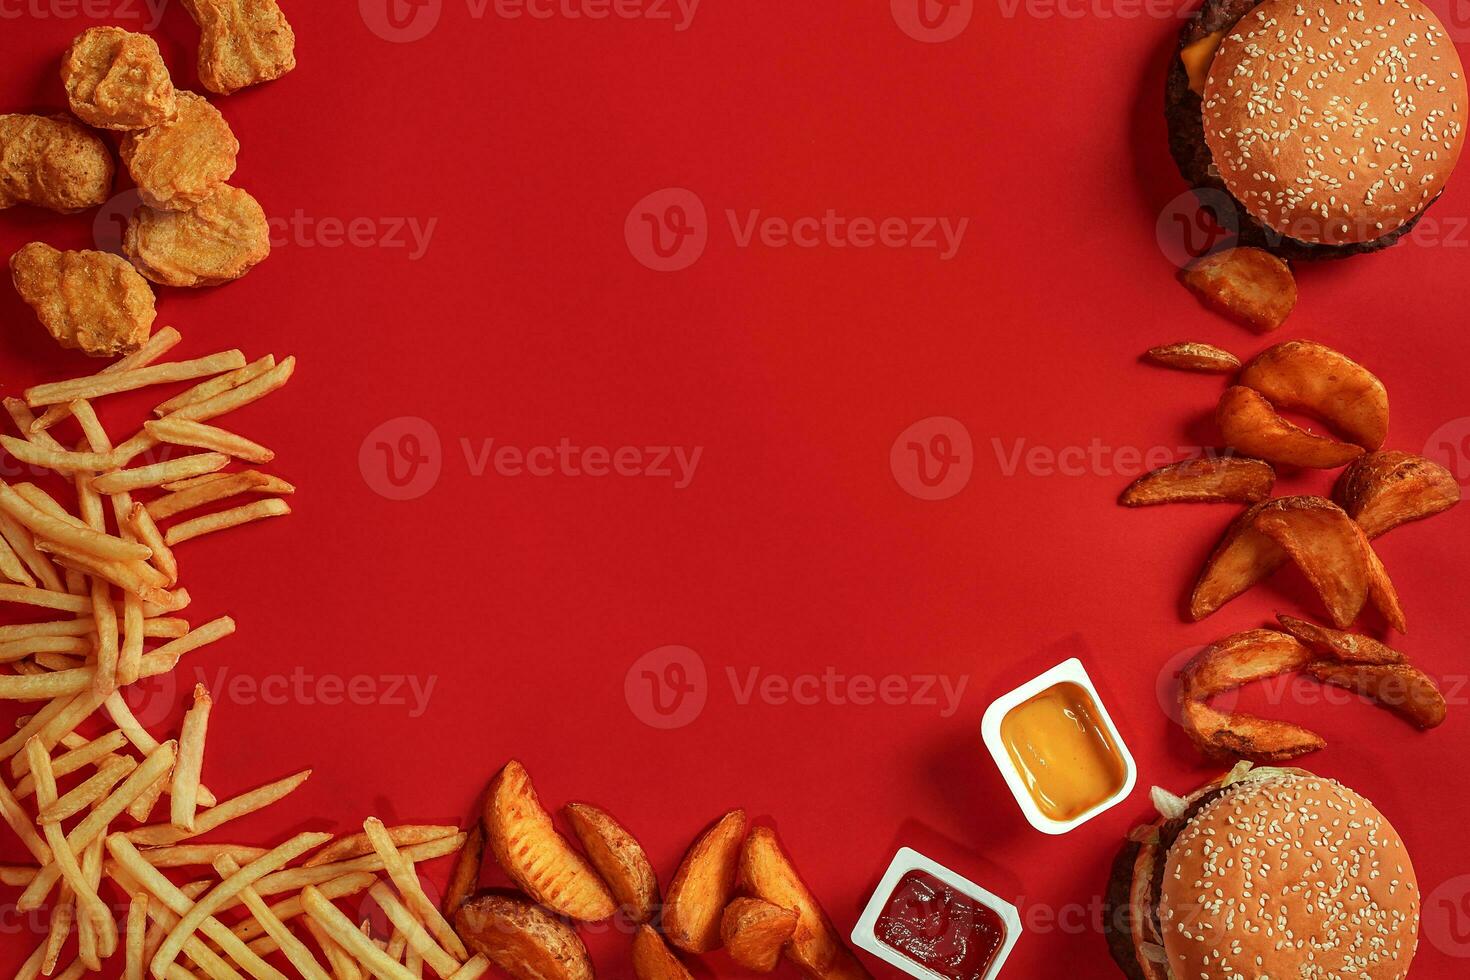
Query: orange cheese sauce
point(1064, 751)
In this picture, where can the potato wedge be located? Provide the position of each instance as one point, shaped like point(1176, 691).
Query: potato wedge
point(1192, 356)
point(464, 880)
point(652, 958)
point(522, 939)
point(1381, 592)
point(754, 931)
point(1327, 546)
point(1402, 688)
point(815, 947)
point(1347, 648)
point(618, 858)
point(1243, 557)
point(703, 885)
point(1251, 426)
point(1303, 375)
point(1237, 660)
point(535, 855)
point(1209, 479)
point(1249, 284)
point(1387, 488)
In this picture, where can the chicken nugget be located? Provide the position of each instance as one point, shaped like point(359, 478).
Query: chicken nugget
point(220, 240)
point(89, 301)
point(178, 164)
point(52, 162)
point(116, 79)
point(241, 43)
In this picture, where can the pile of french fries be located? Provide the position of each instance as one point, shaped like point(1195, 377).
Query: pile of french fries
point(83, 805)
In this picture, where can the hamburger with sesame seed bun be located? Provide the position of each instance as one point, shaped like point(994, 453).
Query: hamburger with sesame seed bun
point(1264, 873)
point(1325, 127)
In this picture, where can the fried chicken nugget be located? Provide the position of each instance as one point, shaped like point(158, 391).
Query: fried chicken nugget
point(178, 164)
point(116, 79)
point(52, 162)
point(241, 43)
point(218, 241)
point(90, 301)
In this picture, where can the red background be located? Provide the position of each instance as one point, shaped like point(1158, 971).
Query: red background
point(526, 600)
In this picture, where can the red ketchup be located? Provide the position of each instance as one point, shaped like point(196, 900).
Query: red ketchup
point(940, 928)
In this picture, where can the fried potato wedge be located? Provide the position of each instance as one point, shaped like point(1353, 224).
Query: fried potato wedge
point(1251, 426)
point(537, 858)
point(1209, 479)
point(766, 873)
point(1261, 740)
point(1243, 557)
point(1381, 592)
point(754, 931)
point(652, 958)
point(1193, 356)
point(1346, 648)
point(1302, 375)
point(522, 939)
point(1387, 488)
point(1249, 284)
point(1402, 688)
point(618, 858)
point(703, 885)
point(1327, 546)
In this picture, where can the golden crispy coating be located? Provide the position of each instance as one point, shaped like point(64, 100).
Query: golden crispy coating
point(218, 241)
point(52, 162)
point(241, 42)
point(116, 79)
point(90, 301)
point(178, 164)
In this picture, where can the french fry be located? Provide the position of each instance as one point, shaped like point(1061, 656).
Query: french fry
point(25, 421)
point(12, 568)
point(16, 876)
point(133, 379)
point(135, 577)
point(86, 754)
point(140, 523)
point(91, 945)
point(45, 599)
point(405, 878)
point(96, 822)
point(134, 629)
point(155, 347)
point(20, 822)
point(184, 795)
point(295, 879)
point(197, 435)
point(63, 917)
point(60, 460)
point(28, 726)
point(122, 716)
point(184, 855)
point(439, 960)
point(218, 385)
point(197, 495)
point(294, 950)
point(465, 878)
point(344, 967)
point(137, 932)
point(42, 687)
point(89, 791)
point(104, 682)
point(257, 799)
point(73, 534)
point(213, 900)
point(260, 510)
point(20, 649)
point(356, 845)
point(76, 710)
point(169, 910)
point(89, 905)
point(229, 401)
point(19, 539)
point(156, 474)
point(272, 484)
point(344, 886)
point(341, 930)
point(475, 967)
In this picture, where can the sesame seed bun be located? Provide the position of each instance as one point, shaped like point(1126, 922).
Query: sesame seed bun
point(1288, 875)
point(1335, 122)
